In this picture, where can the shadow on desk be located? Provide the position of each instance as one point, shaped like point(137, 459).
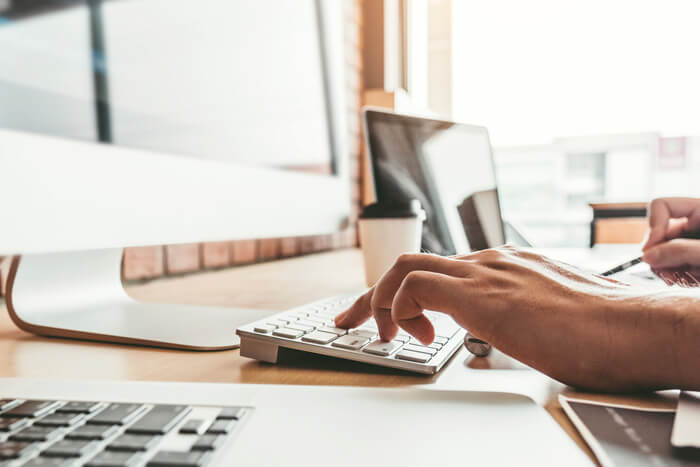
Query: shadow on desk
point(310, 368)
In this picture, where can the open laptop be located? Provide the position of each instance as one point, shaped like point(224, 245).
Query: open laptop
point(449, 167)
point(63, 423)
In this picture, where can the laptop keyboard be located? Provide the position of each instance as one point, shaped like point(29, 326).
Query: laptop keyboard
point(311, 328)
point(37, 433)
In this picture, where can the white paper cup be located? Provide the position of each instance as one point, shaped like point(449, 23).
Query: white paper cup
point(386, 232)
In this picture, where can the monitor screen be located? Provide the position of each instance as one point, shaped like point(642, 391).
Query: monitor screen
point(229, 80)
point(448, 167)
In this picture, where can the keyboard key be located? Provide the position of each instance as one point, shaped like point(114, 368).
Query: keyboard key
point(350, 342)
point(13, 449)
point(334, 330)
point(443, 324)
point(231, 413)
point(300, 327)
point(59, 419)
point(441, 340)
point(277, 324)
point(31, 409)
point(363, 333)
point(208, 442)
point(435, 346)
point(371, 325)
point(402, 338)
point(285, 320)
point(288, 333)
point(327, 314)
point(318, 337)
point(411, 356)
point(79, 407)
point(306, 322)
point(221, 427)
point(319, 323)
point(36, 433)
point(116, 414)
point(194, 426)
point(48, 462)
point(10, 424)
point(160, 419)
point(70, 448)
point(265, 328)
point(420, 348)
point(179, 459)
point(95, 432)
point(113, 459)
point(7, 403)
point(383, 349)
point(133, 443)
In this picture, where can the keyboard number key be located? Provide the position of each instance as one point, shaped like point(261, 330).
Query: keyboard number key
point(350, 342)
point(179, 459)
point(221, 427)
point(114, 458)
point(383, 349)
point(288, 333)
point(363, 333)
point(420, 348)
point(318, 337)
point(334, 330)
point(9, 424)
point(411, 356)
point(265, 328)
point(301, 327)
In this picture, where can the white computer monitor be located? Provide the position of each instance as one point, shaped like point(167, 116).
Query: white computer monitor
point(155, 122)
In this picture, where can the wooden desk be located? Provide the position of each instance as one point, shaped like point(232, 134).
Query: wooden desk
point(272, 286)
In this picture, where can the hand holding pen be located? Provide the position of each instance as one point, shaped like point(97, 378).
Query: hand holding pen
point(679, 268)
point(672, 248)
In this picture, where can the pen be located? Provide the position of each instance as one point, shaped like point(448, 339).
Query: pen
point(622, 267)
point(632, 262)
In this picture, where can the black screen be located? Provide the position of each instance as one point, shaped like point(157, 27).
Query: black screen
point(444, 165)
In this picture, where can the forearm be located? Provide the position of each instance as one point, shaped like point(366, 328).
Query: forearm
point(616, 343)
point(655, 341)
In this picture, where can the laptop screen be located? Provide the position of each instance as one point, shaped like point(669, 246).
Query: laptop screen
point(448, 167)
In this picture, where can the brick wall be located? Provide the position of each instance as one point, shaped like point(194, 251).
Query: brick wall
point(156, 261)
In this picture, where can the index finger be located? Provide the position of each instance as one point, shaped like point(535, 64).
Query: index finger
point(662, 210)
point(358, 313)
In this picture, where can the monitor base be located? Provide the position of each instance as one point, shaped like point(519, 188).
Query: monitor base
point(80, 295)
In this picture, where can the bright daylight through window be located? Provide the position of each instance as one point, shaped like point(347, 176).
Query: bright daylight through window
point(585, 101)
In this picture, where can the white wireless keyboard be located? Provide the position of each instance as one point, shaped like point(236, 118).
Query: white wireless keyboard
point(310, 328)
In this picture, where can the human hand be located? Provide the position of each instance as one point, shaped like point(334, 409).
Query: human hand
point(549, 315)
point(673, 258)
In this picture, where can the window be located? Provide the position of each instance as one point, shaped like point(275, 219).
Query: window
point(544, 75)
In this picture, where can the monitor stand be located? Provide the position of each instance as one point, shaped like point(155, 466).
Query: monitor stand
point(80, 295)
